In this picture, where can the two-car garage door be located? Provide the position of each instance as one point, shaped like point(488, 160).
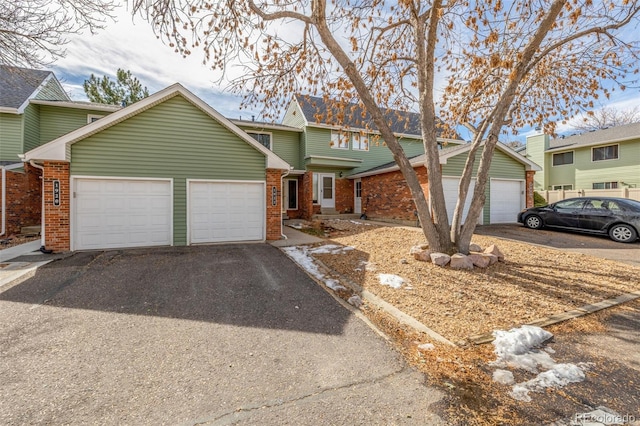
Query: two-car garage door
point(125, 212)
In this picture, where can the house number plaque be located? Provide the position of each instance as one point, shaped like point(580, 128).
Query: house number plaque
point(274, 196)
point(56, 192)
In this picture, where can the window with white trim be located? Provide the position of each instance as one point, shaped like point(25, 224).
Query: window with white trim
point(359, 141)
point(602, 153)
point(93, 117)
point(339, 139)
point(562, 187)
point(604, 185)
point(292, 194)
point(563, 158)
point(263, 138)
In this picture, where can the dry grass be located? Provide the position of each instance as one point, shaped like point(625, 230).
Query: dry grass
point(531, 283)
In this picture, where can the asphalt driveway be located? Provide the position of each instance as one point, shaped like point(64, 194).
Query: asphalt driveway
point(195, 335)
point(594, 245)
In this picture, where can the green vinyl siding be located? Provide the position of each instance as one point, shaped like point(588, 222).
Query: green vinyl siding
point(10, 137)
point(318, 143)
point(285, 144)
point(502, 167)
point(536, 146)
point(52, 91)
point(559, 175)
point(58, 121)
point(31, 127)
point(293, 116)
point(171, 140)
point(625, 169)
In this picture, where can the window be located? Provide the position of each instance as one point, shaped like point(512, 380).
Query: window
point(92, 117)
point(562, 187)
point(563, 158)
point(569, 204)
point(263, 138)
point(292, 194)
point(339, 140)
point(609, 152)
point(358, 189)
point(604, 185)
point(360, 141)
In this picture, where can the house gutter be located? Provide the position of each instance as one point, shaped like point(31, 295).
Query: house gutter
point(42, 220)
point(284, 175)
point(3, 227)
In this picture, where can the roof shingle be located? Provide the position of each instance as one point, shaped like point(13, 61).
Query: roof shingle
point(18, 84)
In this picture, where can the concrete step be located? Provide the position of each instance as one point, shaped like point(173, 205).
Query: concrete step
point(328, 211)
point(345, 216)
point(31, 230)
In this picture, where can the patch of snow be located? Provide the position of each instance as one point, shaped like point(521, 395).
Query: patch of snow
point(391, 280)
point(331, 249)
point(518, 348)
point(504, 377)
point(296, 226)
point(426, 347)
point(300, 255)
point(360, 223)
point(355, 300)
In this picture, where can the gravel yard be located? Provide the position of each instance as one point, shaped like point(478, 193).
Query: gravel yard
point(532, 283)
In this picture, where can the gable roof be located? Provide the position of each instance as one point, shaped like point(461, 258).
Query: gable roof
point(612, 134)
point(354, 116)
point(59, 149)
point(18, 85)
point(444, 155)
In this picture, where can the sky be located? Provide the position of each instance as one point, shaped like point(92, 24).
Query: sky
point(130, 44)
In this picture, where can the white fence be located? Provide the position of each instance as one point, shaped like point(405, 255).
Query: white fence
point(553, 196)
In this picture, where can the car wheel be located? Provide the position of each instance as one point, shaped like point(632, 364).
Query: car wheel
point(533, 222)
point(623, 233)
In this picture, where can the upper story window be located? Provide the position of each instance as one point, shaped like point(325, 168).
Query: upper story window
point(93, 117)
point(339, 139)
point(563, 158)
point(263, 138)
point(604, 185)
point(359, 141)
point(601, 153)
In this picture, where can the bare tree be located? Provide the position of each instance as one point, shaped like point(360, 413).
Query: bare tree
point(487, 64)
point(33, 32)
point(608, 117)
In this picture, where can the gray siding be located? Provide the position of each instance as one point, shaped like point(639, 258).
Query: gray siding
point(171, 140)
point(10, 137)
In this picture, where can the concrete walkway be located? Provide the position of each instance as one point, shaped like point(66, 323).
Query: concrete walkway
point(12, 268)
point(295, 238)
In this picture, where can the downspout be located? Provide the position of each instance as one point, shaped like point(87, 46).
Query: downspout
point(284, 175)
point(42, 219)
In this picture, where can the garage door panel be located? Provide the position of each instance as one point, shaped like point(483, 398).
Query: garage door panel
point(119, 213)
point(507, 199)
point(450, 187)
point(226, 212)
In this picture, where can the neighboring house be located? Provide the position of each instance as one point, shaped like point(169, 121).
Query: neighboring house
point(607, 159)
point(384, 194)
point(34, 109)
point(346, 168)
point(167, 170)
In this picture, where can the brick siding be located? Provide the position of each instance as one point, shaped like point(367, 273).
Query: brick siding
point(344, 195)
point(23, 199)
point(387, 195)
point(57, 218)
point(274, 213)
point(529, 188)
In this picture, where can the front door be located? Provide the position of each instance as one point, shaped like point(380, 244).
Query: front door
point(326, 190)
point(357, 196)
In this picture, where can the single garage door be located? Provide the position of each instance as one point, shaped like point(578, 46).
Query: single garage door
point(119, 213)
point(450, 186)
point(226, 211)
point(507, 199)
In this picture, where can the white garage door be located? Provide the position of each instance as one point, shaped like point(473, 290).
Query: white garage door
point(226, 211)
point(118, 213)
point(507, 199)
point(450, 186)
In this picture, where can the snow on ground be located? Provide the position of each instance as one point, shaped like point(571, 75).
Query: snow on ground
point(331, 249)
point(518, 349)
point(393, 281)
point(360, 223)
point(300, 254)
point(296, 225)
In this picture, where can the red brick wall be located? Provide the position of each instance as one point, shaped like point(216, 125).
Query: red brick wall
point(387, 195)
point(344, 195)
point(274, 213)
point(23, 199)
point(305, 202)
point(57, 218)
point(529, 187)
